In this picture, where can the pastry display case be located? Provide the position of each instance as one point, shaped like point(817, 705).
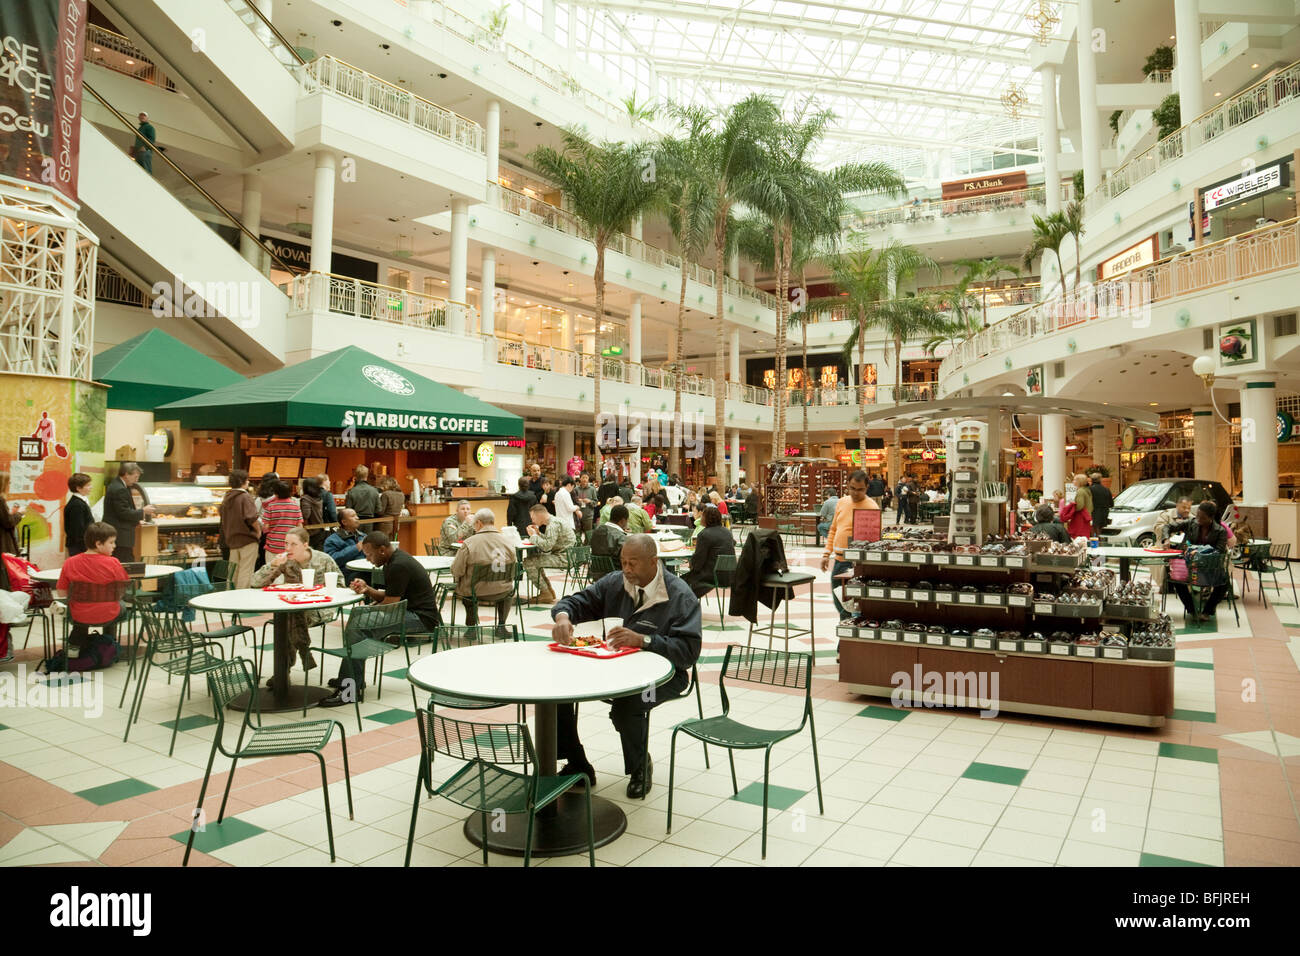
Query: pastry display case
point(186, 517)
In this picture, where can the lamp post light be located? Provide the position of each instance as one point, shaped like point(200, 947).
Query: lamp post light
point(1204, 366)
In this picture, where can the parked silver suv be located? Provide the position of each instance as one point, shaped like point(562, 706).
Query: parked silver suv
point(1133, 516)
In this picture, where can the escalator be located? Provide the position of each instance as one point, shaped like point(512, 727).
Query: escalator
point(166, 229)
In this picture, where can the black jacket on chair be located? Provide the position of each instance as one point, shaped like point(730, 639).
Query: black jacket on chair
point(763, 554)
point(76, 519)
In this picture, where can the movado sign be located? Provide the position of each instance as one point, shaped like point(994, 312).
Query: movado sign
point(1252, 184)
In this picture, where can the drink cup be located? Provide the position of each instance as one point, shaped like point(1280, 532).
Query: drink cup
point(309, 576)
point(331, 579)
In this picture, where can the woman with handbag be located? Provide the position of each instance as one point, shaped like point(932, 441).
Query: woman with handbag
point(1205, 542)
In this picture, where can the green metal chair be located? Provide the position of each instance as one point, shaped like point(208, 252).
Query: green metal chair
point(174, 649)
point(451, 636)
point(365, 637)
point(226, 682)
point(1204, 573)
point(1261, 565)
point(723, 564)
point(485, 574)
point(488, 783)
point(579, 557)
point(601, 564)
point(784, 669)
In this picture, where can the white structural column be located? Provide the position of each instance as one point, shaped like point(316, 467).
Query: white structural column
point(457, 270)
point(1051, 139)
point(734, 355)
point(1187, 27)
point(566, 331)
point(492, 147)
point(1258, 440)
point(564, 451)
point(548, 31)
point(1088, 97)
point(1204, 465)
point(1052, 434)
point(322, 212)
point(637, 226)
point(250, 214)
point(733, 438)
point(488, 296)
point(634, 331)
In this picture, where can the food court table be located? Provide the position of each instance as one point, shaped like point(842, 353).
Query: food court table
point(434, 562)
point(281, 696)
point(51, 575)
point(1127, 555)
point(528, 672)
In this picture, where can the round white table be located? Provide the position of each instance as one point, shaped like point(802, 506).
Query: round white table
point(281, 696)
point(436, 562)
point(528, 672)
point(1126, 556)
point(51, 575)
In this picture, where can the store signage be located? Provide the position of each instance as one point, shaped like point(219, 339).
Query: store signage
point(404, 421)
point(983, 185)
point(485, 454)
point(386, 443)
point(29, 449)
point(388, 379)
point(1252, 184)
point(1128, 439)
point(1134, 257)
point(793, 451)
point(298, 256)
point(40, 92)
point(509, 443)
point(1285, 426)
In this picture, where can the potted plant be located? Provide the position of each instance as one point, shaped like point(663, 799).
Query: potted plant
point(1114, 121)
point(1167, 116)
point(1078, 185)
point(1161, 60)
point(1035, 495)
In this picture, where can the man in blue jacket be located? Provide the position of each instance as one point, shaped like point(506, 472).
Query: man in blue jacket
point(344, 545)
point(661, 616)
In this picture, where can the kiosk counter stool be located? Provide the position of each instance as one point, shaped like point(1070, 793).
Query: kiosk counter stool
point(786, 583)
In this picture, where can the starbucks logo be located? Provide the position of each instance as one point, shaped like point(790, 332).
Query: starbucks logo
point(388, 380)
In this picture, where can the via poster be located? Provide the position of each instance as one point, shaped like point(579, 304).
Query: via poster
point(40, 91)
point(49, 429)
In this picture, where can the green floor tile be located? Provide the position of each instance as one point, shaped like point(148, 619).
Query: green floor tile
point(1204, 716)
point(214, 836)
point(1195, 665)
point(779, 798)
point(993, 773)
point(724, 627)
point(492, 738)
point(394, 716)
point(1188, 752)
point(193, 722)
point(1210, 627)
point(1154, 859)
point(113, 792)
point(399, 674)
point(883, 713)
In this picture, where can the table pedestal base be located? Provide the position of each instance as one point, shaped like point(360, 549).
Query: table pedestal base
point(291, 701)
point(559, 833)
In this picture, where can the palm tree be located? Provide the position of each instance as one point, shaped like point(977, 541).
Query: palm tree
point(686, 197)
point(800, 200)
point(733, 154)
point(1049, 233)
point(607, 188)
point(1073, 217)
point(982, 271)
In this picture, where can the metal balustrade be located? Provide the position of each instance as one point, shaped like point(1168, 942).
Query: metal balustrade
point(265, 31)
point(323, 292)
point(330, 73)
point(117, 53)
point(1261, 252)
point(930, 209)
point(1280, 89)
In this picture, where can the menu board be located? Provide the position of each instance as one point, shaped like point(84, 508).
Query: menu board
point(259, 465)
point(288, 467)
point(311, 467)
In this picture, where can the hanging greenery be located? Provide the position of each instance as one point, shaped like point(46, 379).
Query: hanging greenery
point(1167, 116)
point(1114, 121)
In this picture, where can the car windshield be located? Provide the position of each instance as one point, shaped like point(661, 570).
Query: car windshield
point(1142, 496)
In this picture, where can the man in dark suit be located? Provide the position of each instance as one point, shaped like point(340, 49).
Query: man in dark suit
point(1102, 502)
point(120, 510)
point(712, 541)
point(76, 514)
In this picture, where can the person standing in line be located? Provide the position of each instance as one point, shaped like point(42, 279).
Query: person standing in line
point(391, 502)
point(1102, 501)
point(362, 497)
point(313, 512)
point(329, 509)
point(279, 515)
point(241, 526)
point(76, 514)
point(565, 510)
point(521, 502)
point(145, 138)
point(875, 488)
point(120, 510)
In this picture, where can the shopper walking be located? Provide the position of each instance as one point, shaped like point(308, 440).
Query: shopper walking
point(1102, 501)
point(241, 526)
point(841, 531)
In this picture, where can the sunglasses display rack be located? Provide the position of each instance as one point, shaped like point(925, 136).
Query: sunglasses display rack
point(1065, 640)
point(966, 510)
point(801, 484)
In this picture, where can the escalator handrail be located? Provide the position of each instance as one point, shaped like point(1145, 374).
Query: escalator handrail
point(276, 262)
point(278, 35)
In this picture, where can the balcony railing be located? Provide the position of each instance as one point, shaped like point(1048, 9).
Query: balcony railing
point(544, 214)
point(930, 209)
point(112, 286)
point(316, 291)
point(265, 31)
point(117, 53)
point(1262, 252)
point(1280, 89)
point(329, 73)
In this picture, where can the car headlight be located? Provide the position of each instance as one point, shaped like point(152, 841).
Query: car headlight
point(1123, 522)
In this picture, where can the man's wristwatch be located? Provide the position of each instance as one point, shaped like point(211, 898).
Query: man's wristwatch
point(646, 641)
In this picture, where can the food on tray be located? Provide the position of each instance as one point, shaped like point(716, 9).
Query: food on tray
point(587, 642)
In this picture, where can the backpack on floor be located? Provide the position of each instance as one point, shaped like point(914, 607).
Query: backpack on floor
point(101, 652)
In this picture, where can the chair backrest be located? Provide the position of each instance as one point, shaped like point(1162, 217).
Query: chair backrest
point(451, 636)
point(87, 592)
point(227, 681)
point(579, 555)
point(501, 744)
point(430, 548)
point(222, 575)
point(1280, 551)
point(773, 668)
point(376, 621)
point(486, 574)
point(724, 563)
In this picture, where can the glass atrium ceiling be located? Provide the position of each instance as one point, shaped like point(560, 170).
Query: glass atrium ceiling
point(917, 74)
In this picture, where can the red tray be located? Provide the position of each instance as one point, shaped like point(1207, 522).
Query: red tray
point(1161, 551)
point(292, 588)
point(587, 652)
point(297, 599)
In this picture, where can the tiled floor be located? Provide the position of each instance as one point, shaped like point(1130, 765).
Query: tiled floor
point(1217, 785)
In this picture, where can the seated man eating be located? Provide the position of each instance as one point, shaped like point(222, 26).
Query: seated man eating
point(661, 616)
